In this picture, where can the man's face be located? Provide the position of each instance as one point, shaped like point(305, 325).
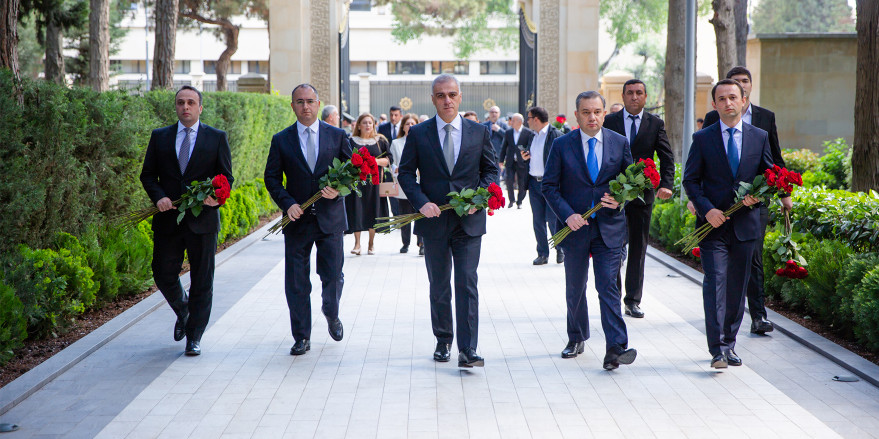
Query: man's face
point(590, 115)
point(305, 104)
point(187, 106)
point(446, 97)
point(395, 117)
point(634, 97)
point(494, 113)
point(728, 102)
point(534, 123)
point(745, 81)
point(516, 123)
point(333, 119)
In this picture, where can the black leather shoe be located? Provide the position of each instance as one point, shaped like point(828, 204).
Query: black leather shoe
point(614, 357)
point(180, 327)
point(719, 361)
point(300, 347)
point(193, 348)
point(443, 352)
point(469, 358)
point(559, 256)
point(541, 260)
point(634, 311)
point(573, 349)
point(510, 206)
point(761, 326)
point(335, 327)
point(519, 206)
point(421, 251)
point(733, 359)
point(404, 249)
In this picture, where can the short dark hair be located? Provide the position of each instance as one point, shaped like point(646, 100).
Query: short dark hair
point(539, 113)
point(589, 95)
point(727, 82)
point(395, 108)
point(189, 87)
point(739, 70)
point(700, 120)
point(632, 82)
point(304, 84)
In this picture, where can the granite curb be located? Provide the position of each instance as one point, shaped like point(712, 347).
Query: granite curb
point(850, 361)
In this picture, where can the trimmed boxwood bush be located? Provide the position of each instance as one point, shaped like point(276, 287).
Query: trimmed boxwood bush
point(13, 326)
point(865, 304)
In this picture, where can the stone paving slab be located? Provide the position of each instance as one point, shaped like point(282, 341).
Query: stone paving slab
point(381, 381)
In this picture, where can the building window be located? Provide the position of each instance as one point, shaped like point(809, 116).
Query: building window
point(405, 67)
point(258, 67)
point(361, 5)
point(210, 67)
point(363, 67)
point(181, 67)
point(454, 67)
point(129, 66)
point(497, 67)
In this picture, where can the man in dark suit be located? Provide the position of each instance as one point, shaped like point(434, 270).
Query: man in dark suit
point(176, 156)
point(578, 172)
point(646, 135)
point(722, 156)
point(449, 153)
point(535, 162)
point(765, 120)
point(497, 128)
point(303, 152)
point(391, 128)
point(515, 167)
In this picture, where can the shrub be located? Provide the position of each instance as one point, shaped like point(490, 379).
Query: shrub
point(836, 163)
point(826, 261)
point(818, 178)
point(13, 326)
point(866, 310)
point(856, 267)
point(836, 214)
point(800, 160)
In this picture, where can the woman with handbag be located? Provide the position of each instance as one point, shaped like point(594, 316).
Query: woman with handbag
point(363, 210)
point(406, 207)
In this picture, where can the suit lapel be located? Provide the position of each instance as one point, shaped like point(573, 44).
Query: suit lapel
point(171, 141)
point(748, 144)
point(323, 149)
point(297, 149)
point(198, 149)
point(436, 147)
point(720, 148)
point(579, 154)
point(468, 131)
point(606, 151)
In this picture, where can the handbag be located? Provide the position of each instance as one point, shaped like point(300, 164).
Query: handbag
point(389, 188)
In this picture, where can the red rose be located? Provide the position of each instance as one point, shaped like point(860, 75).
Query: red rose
point(376, 179)
point(363, 151)
point(697, 252)
point(364, 174)
point(796, 178)
point(490, 212)
point(780, 272)
point(356, 160)
point(560, 119)
point(802, 272)
point(220, 181)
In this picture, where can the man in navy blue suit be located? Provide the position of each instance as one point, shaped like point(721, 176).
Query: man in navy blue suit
point(449, 153)
point(303, 153)
point(721, 156)
point(578, 172)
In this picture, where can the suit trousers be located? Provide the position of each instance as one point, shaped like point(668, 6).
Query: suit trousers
point(168, 250)
point(440, 254)
point(756, 295)
point(727, 265)
point(541, 216)
point(297, 281)
point(518, 173)
point(606, 266)
point(638, 224)
point(405, 208)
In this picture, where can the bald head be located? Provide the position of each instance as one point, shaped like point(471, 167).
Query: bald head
point(516, 121)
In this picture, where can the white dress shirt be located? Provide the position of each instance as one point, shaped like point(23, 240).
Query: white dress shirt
point(535, 168)
point(628, 123)
point(192, 136)
point(516, 134)
point(599, 148)
point(303, 138)
point(737, 136)
point(457, 123)
point(746, 117)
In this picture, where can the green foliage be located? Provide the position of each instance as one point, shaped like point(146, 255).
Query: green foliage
point(849, 283)
point(242, 210)
point(670, 222)
point(779, 16)
point(835, 214)
point(837, 163)
point(866, 310)
point(13, 326)
point(469, 199)
point(800, 160)
point(827, 259)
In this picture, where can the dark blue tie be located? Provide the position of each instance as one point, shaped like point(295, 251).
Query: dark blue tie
point(633, 131)
point(592, 164)
point(732, 153)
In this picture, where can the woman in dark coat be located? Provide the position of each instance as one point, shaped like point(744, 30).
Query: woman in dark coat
point(362, 211)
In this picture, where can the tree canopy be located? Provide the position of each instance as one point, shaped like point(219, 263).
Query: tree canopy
point(779, 16)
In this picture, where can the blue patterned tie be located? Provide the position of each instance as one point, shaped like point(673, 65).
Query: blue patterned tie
point(732, 153)
point(592, 164)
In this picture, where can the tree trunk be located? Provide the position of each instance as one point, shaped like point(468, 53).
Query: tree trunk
point(724, 22)
point(99, 44)
point(9, 36)
point(741, 13)
point(230, 33)
point(166, 38)
point(865, 151)
point(54, 64)
point(675, 60)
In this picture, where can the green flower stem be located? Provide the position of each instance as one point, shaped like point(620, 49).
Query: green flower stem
point(396, 222)
point(130, 220)
point(563, 233)
point(693, 239)
point(286, 219)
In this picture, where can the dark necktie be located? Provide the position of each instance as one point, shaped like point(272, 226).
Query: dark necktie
point(633, 131)
point(183, 156)
point(592, 163)
point(393, 131)
point(449, 148)
point(732, 153)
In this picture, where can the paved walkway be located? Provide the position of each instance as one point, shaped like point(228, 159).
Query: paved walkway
point(381, 381)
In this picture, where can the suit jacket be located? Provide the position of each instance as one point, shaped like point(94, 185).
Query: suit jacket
point(709, 181)
point(650, 139)
point(497, 137)
point(385, 130)
point(476, 167)
point(760, 118)
point(510, 150)
point(551, 134)
point(568, 187)
point(161, 175)
point(286, 159)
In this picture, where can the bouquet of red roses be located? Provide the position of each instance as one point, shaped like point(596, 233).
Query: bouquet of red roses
point(775, 181)
point(193, 199)
point(491, 198)
point(629, 185)
point(345, 177)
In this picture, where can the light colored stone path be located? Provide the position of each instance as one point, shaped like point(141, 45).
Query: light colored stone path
point(381, 381)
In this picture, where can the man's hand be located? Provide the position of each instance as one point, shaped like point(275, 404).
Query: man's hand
point(210, 201)
point(691, 207)
point(329, 193)
point(472, 211)
point(750, 201)
point(576, 221)
point(787, 204)
point(609, 202)
point(525, 155)
point(500, 165)
point(430, 210)
point(165, 204)
point(294, 212)
point(664, 193)
point(495, 127)
point(716, 218)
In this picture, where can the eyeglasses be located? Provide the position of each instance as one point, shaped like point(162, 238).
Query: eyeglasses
point(305, 101)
